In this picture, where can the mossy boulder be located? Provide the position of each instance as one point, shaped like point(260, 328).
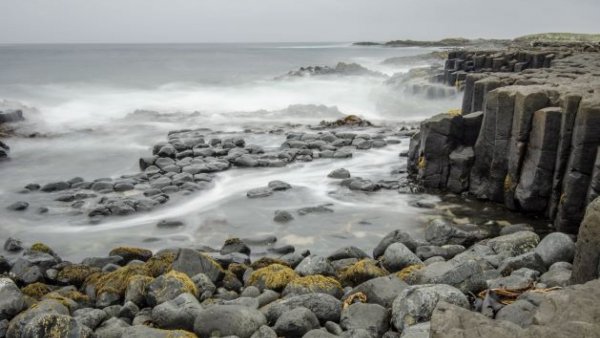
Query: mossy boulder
point(137, 289)
point(70, 298)
point(130, 253)
point(75, 274)
point(168, 286)
point(41, 247)
point(274, 277)
point(238, 270)
point(161, 263)
point(360, 272)
point(52, 325)
point(314, 284)
point(36, 290)
point(192, 262)
point(266, 261)
point(111, 287)
point(408, 273)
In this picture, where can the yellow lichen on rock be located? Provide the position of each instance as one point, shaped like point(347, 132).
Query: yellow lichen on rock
point(455, 112)
point(238, 270)
point(266, 261)
point(508, 183)
point(41, 247)
point(36, 290)
point(180, 334)
point(360, 272)
point(76, 273)
point(160, 263)
point(316, 282)
point(422, 163)
point(130, 253)
point(186, 281)
point(407, 273)
point(274, 277)
point(118, 280)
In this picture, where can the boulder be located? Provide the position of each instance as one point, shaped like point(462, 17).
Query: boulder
point(295, 323)
point(55, 325)
point(226, 320)
point(371, 317)
point(514, 244)
point(12, 300)
point(313, 284)
point(325, 307)
point(381, 290)
point(416, 303)
point(396, 236)
point(556, 247)
point(315, 265)
point(340, 173)
point(192, 262)
point(397, 256)
point(587, 249)
point(440, 232)
point(178, 313)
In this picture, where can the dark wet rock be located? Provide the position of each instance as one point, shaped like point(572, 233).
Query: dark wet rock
point(440, 232)
point(169, 224)
point(112, 328)
point(17, 324)
point(259, 192)
point(397, 256)
point(12, 300)
point(33, 187)
point(296, 322)
point(128, 310)
point(282, 250)
point(18, 206)
point(13, 245)
point(178, 313)
point(206, 288)
point(371, 317)
point(358, 183)
point(55, 186)
point(347, 252)
point(396, 236)
point(319, 333)
point(416, 303)
point(192, 263)
point(556, 247)
point(340, 173)
point(227, 320)
point(515, 281)
point(315, 265)
point(316, 209)
point(444, 251)
point(468, 275)
point(325, 307)
point(279, 185)
point(235, 245)
point(129, 254)
point(512, 228)
point(381, 290)
point(282, 216)
point(90, 317)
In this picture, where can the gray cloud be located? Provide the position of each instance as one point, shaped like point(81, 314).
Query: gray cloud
point(50, 21)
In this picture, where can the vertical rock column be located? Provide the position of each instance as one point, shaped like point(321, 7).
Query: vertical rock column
point(528, 99)
point(594, 190)
point(535, 182)
point(576, 182)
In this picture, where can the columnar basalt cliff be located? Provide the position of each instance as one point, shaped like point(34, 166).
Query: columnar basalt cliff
point(527, 135)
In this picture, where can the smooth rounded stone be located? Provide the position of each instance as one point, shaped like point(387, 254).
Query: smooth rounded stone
point(358, 183)
point(445, 251)
point(169, 286)
point(293, 259)
point(514, 244)
point(111, 328)
point(558, 274)
point(381, 290)
point(416, 303)
point(342, 154)
point(319, 333)
point(123, 186)
point(440, 232)
point(206, 288)
point(556, 247)
point(18, 206)
point(397, 256)
point(167, 151)
point(250, 291)
point(246, 161)
point(279, 185)
point(128, 310)
point(340, 173)
point(33, 187)
point(55, 186)
point(226, 320)
point(396, 236)
point(259, 193)
point(235, 245)
point(55, 325)
point(512, 282)
point(181, 178)
point(178, 313)
point(102, 186)
point(90, 317)
point(315, 210)
point(264, 332)
point(282, 216)
point(324, 306)
point(521, 312)
point(371, 317)
point(192, 262)
point(282, 250)
point(170, 189)
point(434, 259)
point(267, 297)
point(113, 310)
point(160, 182)
point(315, 265)
point(347, 252)
point(420, 330)
point(129, 254)
point(4, 265)
point(249, 302)
point(529, 260)
point(12, 300)
point(512, 228)
point(296, 322)
point(13, 245)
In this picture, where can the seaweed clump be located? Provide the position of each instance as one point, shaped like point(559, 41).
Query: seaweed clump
point(274, 277)
point(360, 272)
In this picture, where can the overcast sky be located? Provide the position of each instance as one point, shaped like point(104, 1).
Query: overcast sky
point(52, 21)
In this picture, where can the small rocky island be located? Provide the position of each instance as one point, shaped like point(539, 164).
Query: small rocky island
point(526, 140)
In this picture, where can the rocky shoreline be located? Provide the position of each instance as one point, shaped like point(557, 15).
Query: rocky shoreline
point(440, 286)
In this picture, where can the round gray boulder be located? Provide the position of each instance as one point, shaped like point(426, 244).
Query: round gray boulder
point(228, 320)
point(556, 247)
point(397, 256)
point(295, 323)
